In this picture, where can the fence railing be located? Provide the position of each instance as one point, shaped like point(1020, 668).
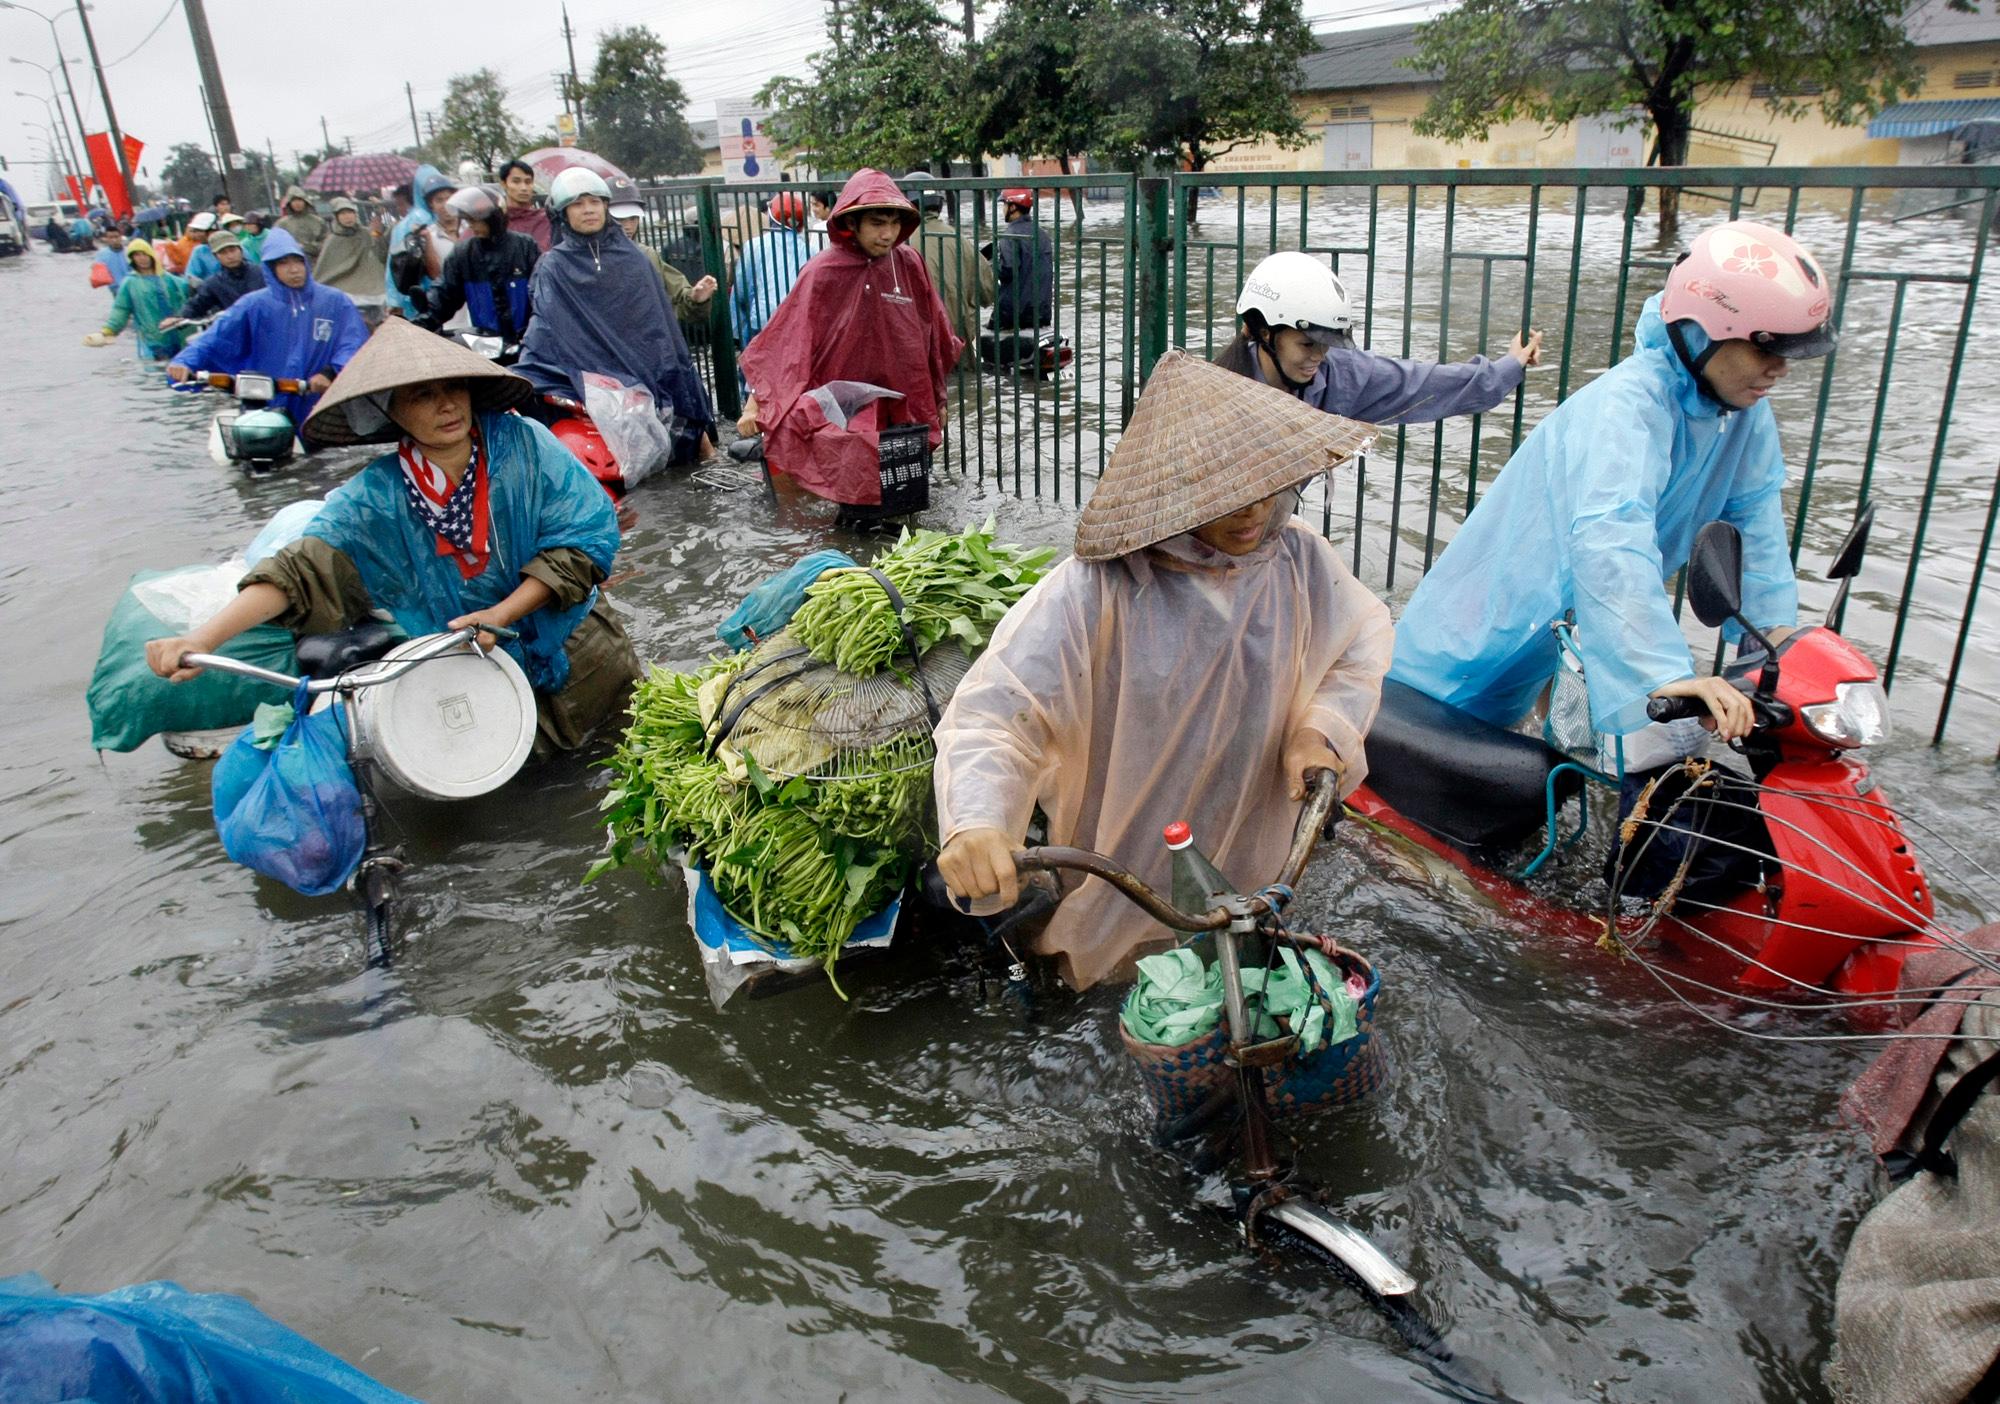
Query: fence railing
point(1451, 263)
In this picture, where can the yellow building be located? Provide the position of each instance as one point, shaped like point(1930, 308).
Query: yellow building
point(1359, 98)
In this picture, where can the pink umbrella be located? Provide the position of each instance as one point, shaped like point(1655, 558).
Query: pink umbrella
point(551, 161)
point(355, 175)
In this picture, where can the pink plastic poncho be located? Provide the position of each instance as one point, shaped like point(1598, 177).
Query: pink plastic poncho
point(850, 317)
point(1158, 686)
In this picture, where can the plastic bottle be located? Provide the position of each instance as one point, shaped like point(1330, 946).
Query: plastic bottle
point(1198, 886)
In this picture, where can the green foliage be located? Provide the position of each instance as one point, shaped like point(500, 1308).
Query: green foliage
point(1553, 61)
point(634, 113)
point(892, 94)
point(1035, 98)
point(189, 174)
point(1191, 80)
point(477, 125)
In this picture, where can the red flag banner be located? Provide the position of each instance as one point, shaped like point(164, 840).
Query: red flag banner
point(105, 167)
point(76, 193)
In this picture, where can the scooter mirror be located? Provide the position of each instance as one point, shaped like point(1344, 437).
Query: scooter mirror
point(1847, 561)
point(1715, 573)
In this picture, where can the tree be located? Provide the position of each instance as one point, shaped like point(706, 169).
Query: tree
point(190, 174)
point(477, 125)
point(1557, 60)
point(634, 114)
point(892, 94)
point(1030, 80)
point(1192, 80)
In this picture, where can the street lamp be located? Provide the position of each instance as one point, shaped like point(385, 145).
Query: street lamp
point(103, 88)
point(62, 123)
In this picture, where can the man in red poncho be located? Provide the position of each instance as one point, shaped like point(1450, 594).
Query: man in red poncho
point(863, 311)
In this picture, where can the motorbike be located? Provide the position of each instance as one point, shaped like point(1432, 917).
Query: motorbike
point(572, 425)
point(254, 437)
point(1836, 898)
point(1031, 351)
point(496, 349)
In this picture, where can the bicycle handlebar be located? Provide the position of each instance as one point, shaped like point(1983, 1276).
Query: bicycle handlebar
point(443, 644)
point(1322, 806)
point(222, 380)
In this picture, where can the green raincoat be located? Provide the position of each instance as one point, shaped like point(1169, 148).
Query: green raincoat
point(146, 300)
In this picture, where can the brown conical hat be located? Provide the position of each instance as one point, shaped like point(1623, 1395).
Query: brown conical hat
point(402, 354)
point(1205, 442)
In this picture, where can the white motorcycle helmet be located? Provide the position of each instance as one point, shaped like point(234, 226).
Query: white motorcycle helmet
point(1296, 290)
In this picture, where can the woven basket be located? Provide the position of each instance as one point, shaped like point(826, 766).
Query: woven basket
point(1180, 1078)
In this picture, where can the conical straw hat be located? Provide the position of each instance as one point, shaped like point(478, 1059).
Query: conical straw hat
point(402, 354)
point(1205, 442)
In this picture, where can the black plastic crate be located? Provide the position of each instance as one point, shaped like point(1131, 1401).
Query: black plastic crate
point(905, 459)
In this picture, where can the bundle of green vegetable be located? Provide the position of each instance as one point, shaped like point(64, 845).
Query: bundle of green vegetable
point(952, 587)
point(805, 861)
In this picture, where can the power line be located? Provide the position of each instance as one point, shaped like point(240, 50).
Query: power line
point(172, 5)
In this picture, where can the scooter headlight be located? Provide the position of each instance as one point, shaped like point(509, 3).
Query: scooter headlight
point(1857, 716)
point(260, 388)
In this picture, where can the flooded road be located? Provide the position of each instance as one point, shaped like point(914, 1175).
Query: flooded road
point(534, 1163)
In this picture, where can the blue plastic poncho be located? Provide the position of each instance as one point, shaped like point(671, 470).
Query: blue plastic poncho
point(765, 272)
point(599, 306)
point(202, 264)
point(158, 1342)
point(288, 333)
point(539, 498)
point(1594, 512)
point(426, 182)
point(118, 265)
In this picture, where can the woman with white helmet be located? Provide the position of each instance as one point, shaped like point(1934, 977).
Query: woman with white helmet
point(599, 307)
point(1600, 505)
point(1298, 336)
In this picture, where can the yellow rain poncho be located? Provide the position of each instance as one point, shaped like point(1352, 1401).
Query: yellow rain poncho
point(1150, 678)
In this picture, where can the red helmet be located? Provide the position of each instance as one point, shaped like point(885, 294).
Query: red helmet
point(788, 209)
point(1017, 195)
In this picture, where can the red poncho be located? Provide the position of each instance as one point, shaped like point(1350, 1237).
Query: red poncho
point(851, 317)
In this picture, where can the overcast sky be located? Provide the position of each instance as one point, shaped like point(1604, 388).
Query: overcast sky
point(286, 65)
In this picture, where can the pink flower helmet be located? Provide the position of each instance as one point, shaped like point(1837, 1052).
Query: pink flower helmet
point(1745, 281)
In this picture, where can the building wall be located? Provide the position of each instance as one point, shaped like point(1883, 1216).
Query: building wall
point(1738, 129)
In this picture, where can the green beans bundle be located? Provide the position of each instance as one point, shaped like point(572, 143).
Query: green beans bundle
point(952, 586)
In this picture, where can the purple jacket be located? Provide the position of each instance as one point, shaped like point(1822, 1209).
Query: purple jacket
point(1377, 389)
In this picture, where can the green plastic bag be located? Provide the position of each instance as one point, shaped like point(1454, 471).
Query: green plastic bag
point(129, 703)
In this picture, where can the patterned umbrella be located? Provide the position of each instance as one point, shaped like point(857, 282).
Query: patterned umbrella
point(551, 161)
point(366, 174)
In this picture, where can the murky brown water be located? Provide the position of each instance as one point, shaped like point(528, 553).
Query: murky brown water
point(534, 1163)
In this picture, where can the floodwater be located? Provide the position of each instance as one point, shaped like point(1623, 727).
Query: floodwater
point(533, 1162)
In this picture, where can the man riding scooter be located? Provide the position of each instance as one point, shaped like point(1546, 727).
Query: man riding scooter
point(1599, 507)
point(292, 329)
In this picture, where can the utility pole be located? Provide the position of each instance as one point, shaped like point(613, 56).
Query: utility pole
point(104, 91)
point(839, 37)
point(215, 143)
point(431, 124)
point(416, 136)
point(270, 173)
point(325, 138)
point(575, 83)
point(218, 100)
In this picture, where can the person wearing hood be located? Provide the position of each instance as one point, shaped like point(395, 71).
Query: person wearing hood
point(415, 263)
point(110, 267)
point(1024, 267)
point(599, 307)
point(148, 298)
point(690, 300)
point(289, 329)
point(355, 258)
point(962, 276)
point(299, 219)
point(487, 275)
point(235, 278)
point(1202, 657)
point(525, 214)
point(1297, 333)
point(255, 225)
point(476, 517)
point(82, 235)
point(1598, 509)
point(863, 310)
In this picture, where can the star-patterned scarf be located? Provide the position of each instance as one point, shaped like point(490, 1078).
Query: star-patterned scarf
point(457, 515)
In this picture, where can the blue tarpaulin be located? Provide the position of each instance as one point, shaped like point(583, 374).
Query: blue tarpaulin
point(157, 1343)
point(1922, 119)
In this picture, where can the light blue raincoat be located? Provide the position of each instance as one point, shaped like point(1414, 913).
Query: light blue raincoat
point(1595, 512)
point(423, 184)
point(538, 498)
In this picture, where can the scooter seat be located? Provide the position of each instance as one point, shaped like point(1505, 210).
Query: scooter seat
point(323, 656)
point(1477, 786)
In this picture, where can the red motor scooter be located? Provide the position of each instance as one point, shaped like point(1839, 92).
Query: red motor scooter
point(1840, 899)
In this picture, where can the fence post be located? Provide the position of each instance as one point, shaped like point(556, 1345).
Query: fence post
point(1156, 240)
point(721, 340)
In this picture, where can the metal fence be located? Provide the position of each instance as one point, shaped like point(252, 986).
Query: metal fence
point(1452, 263)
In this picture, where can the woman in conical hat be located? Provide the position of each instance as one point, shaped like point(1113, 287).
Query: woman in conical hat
point(1196, 659)
point(477, 517)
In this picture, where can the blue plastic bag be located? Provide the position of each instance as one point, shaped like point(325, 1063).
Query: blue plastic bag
point(157, 1343)
point(287, 526)
point(770, 607)
point(293, 812)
